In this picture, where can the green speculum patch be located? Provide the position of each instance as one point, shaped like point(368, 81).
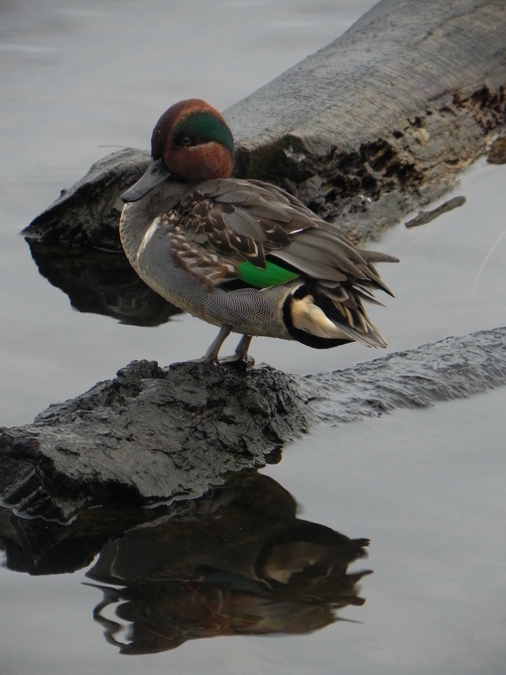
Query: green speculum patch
point(272, 275)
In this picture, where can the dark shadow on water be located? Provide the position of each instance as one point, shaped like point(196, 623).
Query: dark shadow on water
point(235, 562)
point(102, 283)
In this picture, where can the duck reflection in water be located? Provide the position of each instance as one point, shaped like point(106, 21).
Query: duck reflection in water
point(238, 562)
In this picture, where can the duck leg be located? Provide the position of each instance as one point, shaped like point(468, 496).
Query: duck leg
point(211, 356)
point(241, 351)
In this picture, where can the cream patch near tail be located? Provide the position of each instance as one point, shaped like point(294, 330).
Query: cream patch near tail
point(309, 317)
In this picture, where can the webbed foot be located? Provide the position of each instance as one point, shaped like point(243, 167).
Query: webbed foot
point(240, 356)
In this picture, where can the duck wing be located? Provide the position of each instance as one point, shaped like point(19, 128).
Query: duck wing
point(252, 224)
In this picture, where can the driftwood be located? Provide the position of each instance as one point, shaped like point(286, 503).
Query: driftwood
point(497, 152)
point(384, 118)
point(88, 212)
point(424, 217)
point(366, 130)
point(378, 122)
point(148, 435)
point(155, 434)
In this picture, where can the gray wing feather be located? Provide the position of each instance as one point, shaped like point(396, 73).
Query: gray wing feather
point(314, 247)
point(311, 268)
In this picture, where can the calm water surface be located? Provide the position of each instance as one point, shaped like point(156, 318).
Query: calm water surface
point(81, 79)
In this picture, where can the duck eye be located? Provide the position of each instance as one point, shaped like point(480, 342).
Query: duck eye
point(186, 141)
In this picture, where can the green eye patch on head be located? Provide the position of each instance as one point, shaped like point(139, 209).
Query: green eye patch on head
point(202, 127)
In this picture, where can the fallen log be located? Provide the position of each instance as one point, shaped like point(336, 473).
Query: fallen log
point(154, 434)
point(364, 131)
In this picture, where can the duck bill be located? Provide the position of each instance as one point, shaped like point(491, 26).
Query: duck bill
point(155, 174)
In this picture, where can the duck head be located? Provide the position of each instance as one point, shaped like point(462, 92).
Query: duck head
point(191, 142)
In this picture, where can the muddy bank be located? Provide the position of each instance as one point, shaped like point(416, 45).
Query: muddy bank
point(377, 123)
point(156, 434)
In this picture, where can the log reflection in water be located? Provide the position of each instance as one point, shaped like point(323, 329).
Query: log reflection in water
point(101, 282)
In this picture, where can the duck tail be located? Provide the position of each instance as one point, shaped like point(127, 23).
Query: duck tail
point(324, 315)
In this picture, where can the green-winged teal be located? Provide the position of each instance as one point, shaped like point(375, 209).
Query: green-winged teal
point(241, 254)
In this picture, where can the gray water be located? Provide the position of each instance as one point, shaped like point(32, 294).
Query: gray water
point(79, 80)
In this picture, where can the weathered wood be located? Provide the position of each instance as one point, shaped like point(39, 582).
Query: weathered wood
point(424, 217)
point(384, 118)
point(88, 212)
point(159, 434)
point(497, 152)
point(150, 434)
point(364, 131)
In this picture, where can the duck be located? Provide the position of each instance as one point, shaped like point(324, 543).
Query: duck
point(242, 254)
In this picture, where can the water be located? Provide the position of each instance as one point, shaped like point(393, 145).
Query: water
point(80, 79)
point(426, 486)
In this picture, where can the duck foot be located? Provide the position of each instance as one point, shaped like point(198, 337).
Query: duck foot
point(211, 356)
point(240, 356)
point(233, 362)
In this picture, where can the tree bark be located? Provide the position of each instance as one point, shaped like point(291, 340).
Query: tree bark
point(367, 129)
point(384, 118)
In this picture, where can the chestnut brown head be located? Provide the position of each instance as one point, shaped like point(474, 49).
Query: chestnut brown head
point(193, 141)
